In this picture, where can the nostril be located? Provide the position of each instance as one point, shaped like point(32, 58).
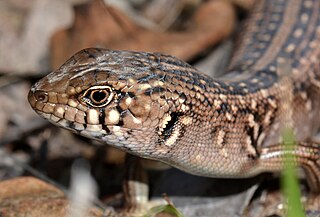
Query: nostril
point(41, 96)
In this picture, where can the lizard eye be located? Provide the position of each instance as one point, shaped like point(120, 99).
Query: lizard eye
point(98, 96)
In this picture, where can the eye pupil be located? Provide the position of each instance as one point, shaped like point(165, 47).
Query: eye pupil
point(99, 95)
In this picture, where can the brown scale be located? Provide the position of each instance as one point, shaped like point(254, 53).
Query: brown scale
point(164, 109)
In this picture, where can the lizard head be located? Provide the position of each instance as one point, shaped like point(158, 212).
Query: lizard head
point(135, 101)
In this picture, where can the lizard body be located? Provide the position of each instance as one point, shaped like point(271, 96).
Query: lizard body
point(159, 107)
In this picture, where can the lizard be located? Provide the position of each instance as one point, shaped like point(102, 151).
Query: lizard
point(159, 107)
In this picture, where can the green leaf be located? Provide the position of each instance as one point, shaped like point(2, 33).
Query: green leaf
point(170, 209)
point(289, 179)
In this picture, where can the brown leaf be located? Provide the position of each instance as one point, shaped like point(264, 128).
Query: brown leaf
point(28, 196)
point(94, 27)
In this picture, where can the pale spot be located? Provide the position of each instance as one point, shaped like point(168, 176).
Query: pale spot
point(276, 126)
point(272, 103)
point(248, 141)
point(175, 96)
point(234, 108)
point(198, 95)
point(253, 104)
point(298, 33)
point(251, 121)
point(314, 58)
point(261, 84)
point(303, 95)
point(144, 86)
point(197, 88)
point(254, 80)
point(307, 3)
point(245, 90)
point(72, 103)
point(147, 106)
point(229, 116)
point(118, 133)
point(132, 81)
point(181, 100)
point(264, 93)
point(304, 18)
point(203, 81)
point(93, 116)
point(198, 158)
point(272, 68)
point(217, 103)
point(113, 117)
point(70, 90)
point(313, 44)
point(128, 101)
point(295, 71)
point(309, 105)
point(116, 128)
point(186, 120)
point(157, 83)
point(136, 120)
point(184, 107)
point(78, 89)
point(222, 96)
point(59, 111)
point(267, 118)
point(290, 48)
point(220, 138)
point(281, 60)
point(303, 60)
point(242, 101)
point(223, 153)
point(242, 84)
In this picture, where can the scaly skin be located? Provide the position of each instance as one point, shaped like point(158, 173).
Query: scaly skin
point(159, 107)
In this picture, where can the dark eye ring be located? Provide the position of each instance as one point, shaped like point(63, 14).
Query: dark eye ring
point(98, 96)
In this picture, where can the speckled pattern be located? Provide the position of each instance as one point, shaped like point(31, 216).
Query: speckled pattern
point(159, 107)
